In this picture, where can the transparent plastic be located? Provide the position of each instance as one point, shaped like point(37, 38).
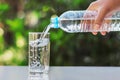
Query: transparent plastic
point(39, 54)
point(83, 21)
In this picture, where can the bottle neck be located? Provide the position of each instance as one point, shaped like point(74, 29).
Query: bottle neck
point(54, 22)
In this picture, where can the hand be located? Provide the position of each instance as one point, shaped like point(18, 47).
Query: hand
point(104, 8)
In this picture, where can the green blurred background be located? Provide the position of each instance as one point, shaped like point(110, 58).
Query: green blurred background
point(18, 17)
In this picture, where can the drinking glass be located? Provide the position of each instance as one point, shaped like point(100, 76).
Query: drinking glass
point(39, 53)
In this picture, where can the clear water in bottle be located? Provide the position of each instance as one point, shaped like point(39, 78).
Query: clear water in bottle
point(83, 21)
point(86, 25)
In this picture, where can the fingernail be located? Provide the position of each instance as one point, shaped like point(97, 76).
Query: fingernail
point(94, 33)
point(103, 33)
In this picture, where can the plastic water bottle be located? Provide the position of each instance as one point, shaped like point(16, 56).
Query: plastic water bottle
point(83, 21)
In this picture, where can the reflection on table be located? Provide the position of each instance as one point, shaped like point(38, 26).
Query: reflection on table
point(38, 77)
point(61, 73)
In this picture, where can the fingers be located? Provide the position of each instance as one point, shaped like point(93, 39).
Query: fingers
point(102, 11)
point(93, 7)
point(95, 28)
point(99, 20)
point(100, 17)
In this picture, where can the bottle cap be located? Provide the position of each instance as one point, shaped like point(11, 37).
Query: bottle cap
point(55, 22)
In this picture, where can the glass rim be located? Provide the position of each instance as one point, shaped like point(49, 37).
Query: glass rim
point(38, 33)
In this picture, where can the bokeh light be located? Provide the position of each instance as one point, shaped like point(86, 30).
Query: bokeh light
point(20, 42)
point(1, 32)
